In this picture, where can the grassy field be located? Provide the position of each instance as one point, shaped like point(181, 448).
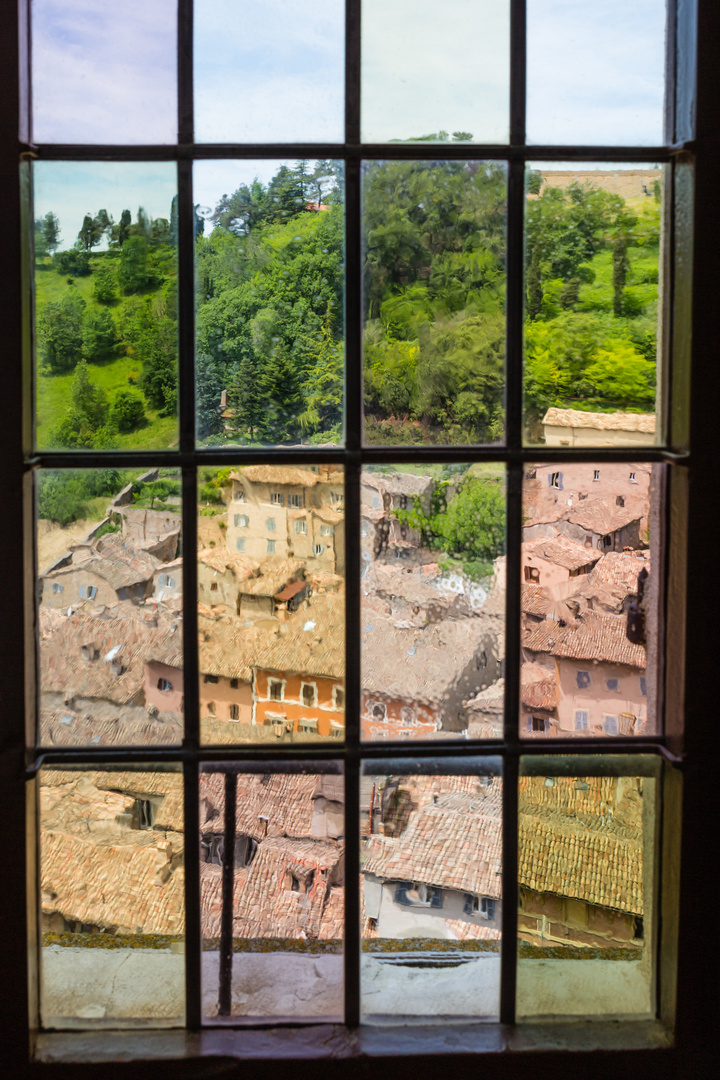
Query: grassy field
point(53, 391)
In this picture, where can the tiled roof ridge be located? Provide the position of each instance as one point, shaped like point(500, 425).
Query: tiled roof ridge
point(615, 421)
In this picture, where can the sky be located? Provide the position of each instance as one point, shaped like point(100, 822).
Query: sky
point(104, 70)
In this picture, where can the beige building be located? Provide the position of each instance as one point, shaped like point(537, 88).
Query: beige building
point(572, 427)
point(290, 512)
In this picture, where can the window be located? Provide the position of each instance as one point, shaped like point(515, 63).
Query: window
point(276, 689)
point(241, 521)
point(271, 547)
point(582, 678)
point(537, 723)
point(270, 524)
point(610, 725)
point(88, 592)
point(612, 685)
point(57, 587)
point(234, 683)
point(487, 907)
point(308, 694)
point(411, 895)
point(532, 574)
point(234, 712)
point(327, 530)
point(643, 686)
point(338, 498)
point(277, 498)
point(301, 526)
point(318, 549)
point(338, 697)
point(596, 474)
point(295, 500)
point(671, 445)
point(211, 678)
point(164, 684)
point(581, 720)
point(240, 544)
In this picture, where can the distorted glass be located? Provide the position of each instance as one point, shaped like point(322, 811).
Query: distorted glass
point(282, 957)
point(109, 607)
point(271, 603)
point(105, 274)
point(591, 578)
point(431, 890)
point(104, 73)
point(112, 900)
point(432, 542)
point(593, 304)
point(269, 258)
point(595, 72)
point(435, 74)
point(269, 73)
point(586, 875)
point(434, 301)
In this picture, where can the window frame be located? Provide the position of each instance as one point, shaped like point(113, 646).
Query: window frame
point(692, 142)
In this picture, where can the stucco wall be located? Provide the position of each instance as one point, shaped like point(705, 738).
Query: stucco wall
point(71, 581)
point(400, 921)
point(266, 711)
point(596, 699)
point(164, 700)
point(222, 695)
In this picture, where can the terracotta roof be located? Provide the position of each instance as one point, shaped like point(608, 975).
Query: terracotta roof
point(604, 515)
point(102, 723)
point(593, 637)
point(291, 590)
point(622, 568)
point(617, 421)
point(561, 551)
point(489, 700)
point(535, 600)
point(278, 474)
point(138, 636)
point(537, 687)
point(275, 572)
point(401, 483)
point(285, 800)
point(221, 559)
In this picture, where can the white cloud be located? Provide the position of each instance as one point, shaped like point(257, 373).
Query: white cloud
point(104, 72)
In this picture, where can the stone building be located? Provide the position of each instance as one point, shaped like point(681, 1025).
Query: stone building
point(571, 427)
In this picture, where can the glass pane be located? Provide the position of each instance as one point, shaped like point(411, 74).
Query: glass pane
point(105, 305)
point(281, 954)
point(435, 74)
point(591, 572)
point(270, 294)
point(595, 72)
point(110, 607)
point(271, 603)
point(434, 303)
point(593, 306)
point(433, 601)
point(104, 73)
point(281, 65)
point(587, 881)
point(112, 898)
point(431, 890)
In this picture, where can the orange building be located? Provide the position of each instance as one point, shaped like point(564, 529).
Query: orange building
point(311, 703)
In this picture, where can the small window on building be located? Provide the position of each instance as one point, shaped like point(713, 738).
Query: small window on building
point(234, 712)
point(619, 500)
point(240, 544)
point(211, 708)
point(487, 907)
point(308, 725)
point(471, 905)
point(532, 574)
point(88, 592)
point(339, 697)
point(270, 524)
point(57, 587)
point(632, 478)
point(481, 660)
point(318, 549)
point(309, 694)
point(582, 678)
point(275, 689)
point(538, 723)
point(643, 686)
point(555, 479)
point(271, 547)
point(165, 685)
point(241, 521)
point(296, 501)
point(606, 541)
point(277, 498)
point(213, 586)
point(143, 814)
point(379, 711)
point(162, 581)
point(339, 498)
point(613, 684)
point(596, 474)
point(301, 526)
point(210, 678)
point(233, 684)
point(327, 530)
point(610, 725)
point(239, 496)
point(581, 720)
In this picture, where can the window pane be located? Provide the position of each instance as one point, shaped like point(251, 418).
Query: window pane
point(105, 305)
point(434, 303)
point(112, 898)
point(432, 73)
point(593, 307)
point(591, 571)
point(271, 620)
point(104, 73)
point(110, 607)
point(595, 72)
point(286, 957)
point(433, 601)
point(431, 890)
point(281, 67)
point(270, 291)
point(587, 884)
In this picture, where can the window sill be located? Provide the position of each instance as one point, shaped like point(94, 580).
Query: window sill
point(335, 1042)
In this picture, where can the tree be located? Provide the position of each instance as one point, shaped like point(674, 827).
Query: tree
point(99, 336)
point(73, 262)
point(120, 232)
point(91, 233)
point(127, 411)
point(324, 387)
point(81, 426)
point(134, 274)
point(50, 229)
point(104, 287)
point(59, 330)
point(208, 392)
